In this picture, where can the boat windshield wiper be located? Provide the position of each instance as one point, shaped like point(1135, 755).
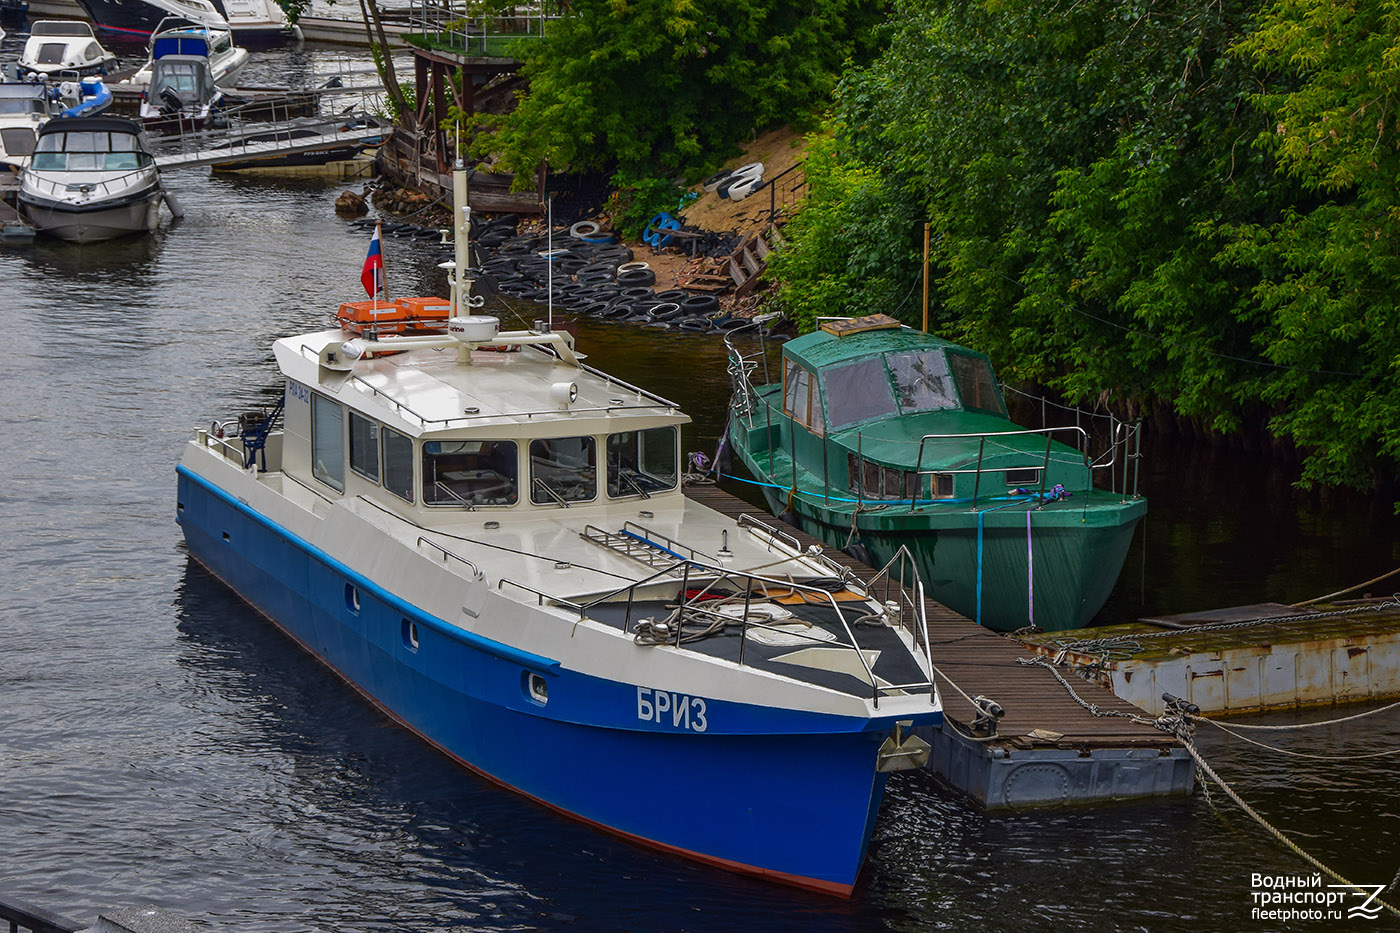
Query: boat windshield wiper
point(629, 478)
point(452, 493)
point(551, 492)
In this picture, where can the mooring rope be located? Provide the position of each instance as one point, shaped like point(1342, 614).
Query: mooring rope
point(1350, 589)
point(1180, 727)
point(1288, 751)
point(1310, 725)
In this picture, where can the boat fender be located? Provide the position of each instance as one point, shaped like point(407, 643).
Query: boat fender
point(177, 210)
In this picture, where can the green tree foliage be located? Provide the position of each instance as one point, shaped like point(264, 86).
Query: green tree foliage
point(295, 9)
point(1329, 265)
point(1119, 211)
point(668, 87)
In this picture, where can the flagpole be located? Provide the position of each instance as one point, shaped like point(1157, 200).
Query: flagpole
point(383, 273)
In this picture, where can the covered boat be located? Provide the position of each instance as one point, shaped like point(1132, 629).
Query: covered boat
point(181, 94)
point(489, 539)
point(91, 179)
point(179, 37)
point(879, 437)
point(59, 48)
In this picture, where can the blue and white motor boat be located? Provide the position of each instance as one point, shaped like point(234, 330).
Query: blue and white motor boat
point(179, 37)
point(489, 540)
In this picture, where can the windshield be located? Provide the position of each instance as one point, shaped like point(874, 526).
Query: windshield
point(975, 383)
point(921, 380)
point(89, 151)
point(856, 392)
point(10, 106)
point(53, 28)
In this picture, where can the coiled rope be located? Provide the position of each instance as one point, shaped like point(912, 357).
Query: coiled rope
point(1181, 727)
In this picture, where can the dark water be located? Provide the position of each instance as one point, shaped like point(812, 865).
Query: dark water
point(161, 743)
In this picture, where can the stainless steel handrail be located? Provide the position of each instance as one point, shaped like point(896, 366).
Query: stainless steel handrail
point(476, 571)
point(978, 470)
point(696, 572)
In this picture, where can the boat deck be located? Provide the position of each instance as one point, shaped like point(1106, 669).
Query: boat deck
point(824, 661)
point(1049, 750)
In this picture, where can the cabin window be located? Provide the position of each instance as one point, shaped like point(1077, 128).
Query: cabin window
point(881, 482)
point(562, 470)
point(798, 401)
point(51, 53)
point(642, 462)
point(470, 473)
point(328, 442)
point(975, 383)
point(922, 381)
point(856, 392)
point(943, 485)
point(364, 447)
point(398, 463)
point(1026, 477)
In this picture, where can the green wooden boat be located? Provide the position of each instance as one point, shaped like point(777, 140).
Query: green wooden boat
point(879, 436)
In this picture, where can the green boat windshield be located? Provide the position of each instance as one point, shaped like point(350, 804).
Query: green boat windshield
point(906, 382)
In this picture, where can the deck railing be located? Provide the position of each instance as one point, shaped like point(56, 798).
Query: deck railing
point(902, 603)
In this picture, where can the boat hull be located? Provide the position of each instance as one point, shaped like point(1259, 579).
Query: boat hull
point(744, 795)
point(986, 563)
point(94, 222)
point(137, 20)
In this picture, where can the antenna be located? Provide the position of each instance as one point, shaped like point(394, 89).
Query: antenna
point(549, 240)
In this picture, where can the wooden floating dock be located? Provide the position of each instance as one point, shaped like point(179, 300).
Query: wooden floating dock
point(1048, 750)
point(1243, 659)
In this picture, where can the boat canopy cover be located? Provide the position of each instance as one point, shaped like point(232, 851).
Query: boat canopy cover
point(103, 124)
point(188, 75)
point(184, 43)
point(886, 376)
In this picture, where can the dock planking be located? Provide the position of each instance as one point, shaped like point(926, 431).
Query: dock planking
point(981, 662)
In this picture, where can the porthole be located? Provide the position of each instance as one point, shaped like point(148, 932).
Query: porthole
point(352, 598)
point(539, 689)
point(410, 635)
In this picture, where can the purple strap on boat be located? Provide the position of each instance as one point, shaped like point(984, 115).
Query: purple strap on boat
point(1030, 575)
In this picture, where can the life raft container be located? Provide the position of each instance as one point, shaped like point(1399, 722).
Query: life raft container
point(386, 318)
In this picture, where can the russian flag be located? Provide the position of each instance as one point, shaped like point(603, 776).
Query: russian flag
point(372, 276)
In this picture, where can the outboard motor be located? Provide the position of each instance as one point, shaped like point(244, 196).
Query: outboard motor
point(170, 101)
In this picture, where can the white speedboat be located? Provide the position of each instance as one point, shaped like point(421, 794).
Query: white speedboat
point(60, 48)
point(489, 540)
point(176, 37)
point(91, 179)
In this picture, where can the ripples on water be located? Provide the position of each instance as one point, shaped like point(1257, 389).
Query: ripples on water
point(163, 744)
